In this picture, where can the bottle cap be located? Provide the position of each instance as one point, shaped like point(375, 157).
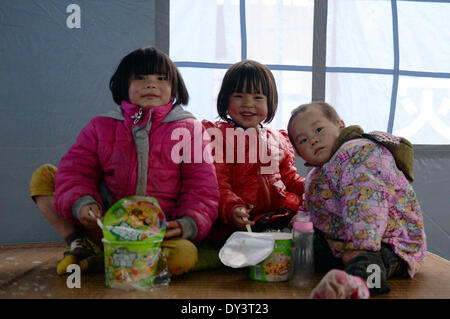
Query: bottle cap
point(303, 225)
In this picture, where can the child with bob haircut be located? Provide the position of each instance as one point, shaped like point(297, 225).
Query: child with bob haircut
point(128, 152)
point(360, 199)
point(258, 182)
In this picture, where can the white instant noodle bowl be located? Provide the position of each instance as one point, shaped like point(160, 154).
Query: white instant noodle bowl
point(267, 254)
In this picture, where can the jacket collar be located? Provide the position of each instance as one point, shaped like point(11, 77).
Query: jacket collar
point(349, 133)
point(165, 113)
point(141, 115)
point(401, 149)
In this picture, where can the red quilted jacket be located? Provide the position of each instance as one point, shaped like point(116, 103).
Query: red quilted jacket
point(245, 183)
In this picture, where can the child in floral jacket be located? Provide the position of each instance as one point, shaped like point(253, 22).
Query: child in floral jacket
point(360, 200)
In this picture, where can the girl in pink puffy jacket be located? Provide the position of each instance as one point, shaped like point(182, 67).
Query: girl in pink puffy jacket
point(130, 151)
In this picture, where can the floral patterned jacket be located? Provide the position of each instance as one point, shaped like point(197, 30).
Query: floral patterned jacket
point(360, 198)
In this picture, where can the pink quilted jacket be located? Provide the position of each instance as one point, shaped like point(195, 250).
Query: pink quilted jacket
point(107, 149)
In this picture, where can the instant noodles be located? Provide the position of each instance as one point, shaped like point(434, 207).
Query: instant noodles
point(276, 266)
point(133, 229)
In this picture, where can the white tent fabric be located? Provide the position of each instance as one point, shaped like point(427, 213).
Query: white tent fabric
point(387, 65)
point(214, 35)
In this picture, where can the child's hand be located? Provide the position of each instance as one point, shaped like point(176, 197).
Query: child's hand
point(237, 218)
point(173, 229)
point(86, 219)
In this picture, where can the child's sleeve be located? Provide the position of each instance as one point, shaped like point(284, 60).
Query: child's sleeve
point(78, 175)
point(366, 180)
point(289, 175)
point(199, 194)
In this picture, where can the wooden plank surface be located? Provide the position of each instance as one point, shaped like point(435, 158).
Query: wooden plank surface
point(28, 271)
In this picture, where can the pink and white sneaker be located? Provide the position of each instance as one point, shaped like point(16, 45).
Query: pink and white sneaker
point(337, 284)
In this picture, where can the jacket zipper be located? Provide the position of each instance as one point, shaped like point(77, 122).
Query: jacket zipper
point(137, 116)
point(266, 187)
point(142, 170)
point(267, 191)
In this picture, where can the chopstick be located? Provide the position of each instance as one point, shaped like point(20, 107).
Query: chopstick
point(99, 222)
point(249, 229)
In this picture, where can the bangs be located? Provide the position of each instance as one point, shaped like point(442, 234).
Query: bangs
point(251, 77)
point(251, 81)
point(145, 61)
point(149, 62)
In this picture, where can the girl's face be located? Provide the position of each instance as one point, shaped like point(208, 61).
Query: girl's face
point(248, 109)
point(149, 90)
point(315, 135)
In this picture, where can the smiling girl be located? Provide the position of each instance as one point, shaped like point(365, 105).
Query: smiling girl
point(128, 151)
point(250, 190)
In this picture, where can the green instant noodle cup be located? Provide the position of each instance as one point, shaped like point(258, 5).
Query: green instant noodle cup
point(132, 264)
point(133, 229)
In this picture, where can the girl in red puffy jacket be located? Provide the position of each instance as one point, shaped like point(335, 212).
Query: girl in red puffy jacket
point(128, 151)
point(258, 182)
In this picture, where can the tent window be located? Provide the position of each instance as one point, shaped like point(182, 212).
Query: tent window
point(366, 57)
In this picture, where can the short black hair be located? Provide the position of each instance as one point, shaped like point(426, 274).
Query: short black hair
point(143, 61)
point(328, 111)
point(255, 77)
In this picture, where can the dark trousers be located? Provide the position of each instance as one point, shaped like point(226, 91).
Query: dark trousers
point(388, 262)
